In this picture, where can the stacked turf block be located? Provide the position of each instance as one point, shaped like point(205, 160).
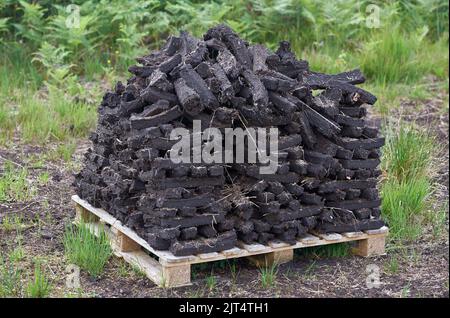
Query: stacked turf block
point(328, 161)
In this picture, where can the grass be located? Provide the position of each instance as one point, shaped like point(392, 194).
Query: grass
point(14, 184)
point(327, 251)
point(138, 271)
point(403, 204)
point(63, 151)
point(44, 177)
point(10, 279)
point(232, 265)
point(268, 275)
point(88, 251)
point(438, 220)
point(392, 57)
point(393, 265)
point(56, 119)
point(407, 186)
point(39, 286)
point(211, 282)
point(123, 269)
point(309, 271)
point(17, 254)
point(12, 223)
point(407, 153)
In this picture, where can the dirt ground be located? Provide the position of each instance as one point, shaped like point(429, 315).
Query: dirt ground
point(420, 269)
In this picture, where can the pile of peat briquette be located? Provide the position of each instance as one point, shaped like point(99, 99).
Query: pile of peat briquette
point(328, 161)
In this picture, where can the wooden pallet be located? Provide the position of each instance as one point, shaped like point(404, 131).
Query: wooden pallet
point(168, 270)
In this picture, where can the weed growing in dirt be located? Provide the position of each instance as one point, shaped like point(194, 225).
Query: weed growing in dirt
point(393, 265)
point(17, 254)
point(12, 223)
point(195, 293)
point(211, 282)
point(10, 279)
point(438, 220)
point(39, 286)
point(43, 178)
point(138, 271)
point(63, 151)
point(233, 270)
point(14, 184)
point(87, 250)
point(268, 275)
point(309, 271)
point(405, 292)
point(123, 269)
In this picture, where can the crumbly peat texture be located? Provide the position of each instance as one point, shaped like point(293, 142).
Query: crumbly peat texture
point(328, 155)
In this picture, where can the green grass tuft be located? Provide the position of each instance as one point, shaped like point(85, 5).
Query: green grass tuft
point(87, 250)
point(402, 206)
point(407, 153)
point(40, 286)
point(211, 282)
point(407, 163)
point(10, 279)
point(392, 57)
point(268, 275)
point(14, 184)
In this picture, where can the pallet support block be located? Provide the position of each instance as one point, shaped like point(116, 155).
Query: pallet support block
point(125, 244)
point(272, 258)
point(85, 216)
point(176, 276)
point(372, 246)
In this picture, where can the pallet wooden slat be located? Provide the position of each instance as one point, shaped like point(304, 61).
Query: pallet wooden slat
point(278, 244)
point(254, 248)
point(353, 234)
point(381, 230)
point(209, 255)
point(174, 271)
point(235, 251)
point(329, 236)
point(309, 239)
